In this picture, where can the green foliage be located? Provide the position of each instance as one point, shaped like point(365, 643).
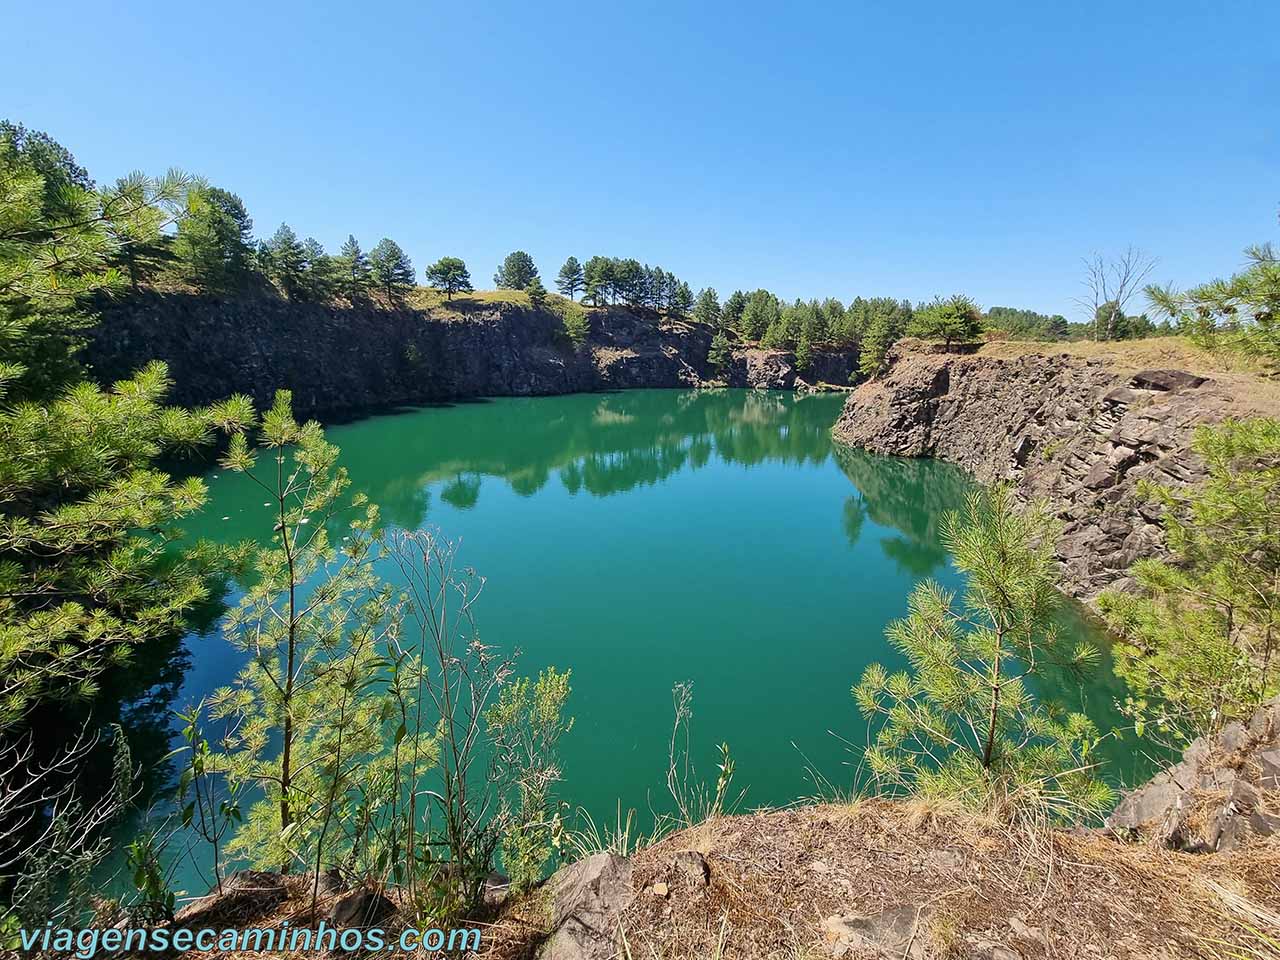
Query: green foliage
point(525, 726)
point(679, 298)
point(879, 323)
point(85, 518)
point(354, 272)
point(516, 273)
point(762, 311)
point(450, 275)
point(571, 278)
point(213, 245)
point(307, 711)
point(598, 274)
point(1027, 324)
point(577, 325)
point(608, 279)
point(731, 314)
point(707, 308)
point(1201, 633)
point(287, 260)
point(391, 269)
point(537, 293)
point(321, 272)
point(1241, 314)
point(695, 801)
point(61, 240)
point(956, 319)
point(960, 721)
point(799, 325)
point(720, 355)
point(85, 576)
point(209, 805)
point(155, 898)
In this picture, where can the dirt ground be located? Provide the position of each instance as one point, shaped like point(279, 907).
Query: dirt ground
point(784, 884)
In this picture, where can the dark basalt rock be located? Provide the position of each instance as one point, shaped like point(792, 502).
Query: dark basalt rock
point(1064, 430)
point(1166, 380)
point(341, 361)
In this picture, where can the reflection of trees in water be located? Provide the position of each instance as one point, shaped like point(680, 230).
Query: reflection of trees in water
point(461, 492)
point(603, 444)
point(910, 496)
point(855, 516)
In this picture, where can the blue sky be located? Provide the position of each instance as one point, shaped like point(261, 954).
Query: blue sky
point(817, 149)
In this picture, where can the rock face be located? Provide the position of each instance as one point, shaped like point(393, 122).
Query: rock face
point(342, 360)
point(588, 897)
point(1222, 793)
point(1069, 431)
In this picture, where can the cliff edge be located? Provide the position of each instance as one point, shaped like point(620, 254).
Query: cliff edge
point(1076, 432)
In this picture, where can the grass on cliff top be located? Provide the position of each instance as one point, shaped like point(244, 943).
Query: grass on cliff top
point(426, 298)
point(1249, 379)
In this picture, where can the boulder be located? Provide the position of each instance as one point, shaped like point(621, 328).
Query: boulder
point(694, 866)
point(363, 907)
point(587, 899)
point(242, 892)
point(1165, 380)
point(892, 933)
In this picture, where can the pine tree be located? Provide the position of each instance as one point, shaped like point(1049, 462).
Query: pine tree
point(537, 293)
point(881, 322)
point(760, 313)
point(1240, 314)
point(681, 299)
point(516, 273)
point(1202, 630)
point(213, 244)
point(954, 320)
point(731, 315)
point(571, 278)
point(354, 270)
point(450, 275)
point(391, 269)
point(960, 722)
point(288, 261)
point(320, 271)
point(598, 274)
point(88, 573)
point(720, 355)
point(308, 710)
point(707, 309)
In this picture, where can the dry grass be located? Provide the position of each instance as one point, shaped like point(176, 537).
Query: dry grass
point(973, 884)
point(777, 875)
point(1246, 378)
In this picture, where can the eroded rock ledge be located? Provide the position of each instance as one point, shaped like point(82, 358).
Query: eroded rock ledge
point(1070, 431)
point(347, 360)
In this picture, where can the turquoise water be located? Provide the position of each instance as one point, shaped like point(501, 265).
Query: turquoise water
point(650, 537)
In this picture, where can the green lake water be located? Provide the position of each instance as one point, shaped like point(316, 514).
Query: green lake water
point(648, 537)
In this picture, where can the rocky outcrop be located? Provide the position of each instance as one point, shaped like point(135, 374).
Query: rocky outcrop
point(345, 360)
point(1068, 431)
point(1222, 793)
point(588, 898)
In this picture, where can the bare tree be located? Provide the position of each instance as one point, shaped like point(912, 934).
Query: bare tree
point(52, 838)
point(1111, 284)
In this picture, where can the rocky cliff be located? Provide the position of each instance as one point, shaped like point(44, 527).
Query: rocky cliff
point(1071, 431)
point(343, 360)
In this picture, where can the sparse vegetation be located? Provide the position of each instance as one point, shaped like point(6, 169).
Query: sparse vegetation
point(960, 723)
point(1201, 633)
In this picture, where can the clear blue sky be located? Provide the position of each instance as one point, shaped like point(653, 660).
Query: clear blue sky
point(816, 149)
